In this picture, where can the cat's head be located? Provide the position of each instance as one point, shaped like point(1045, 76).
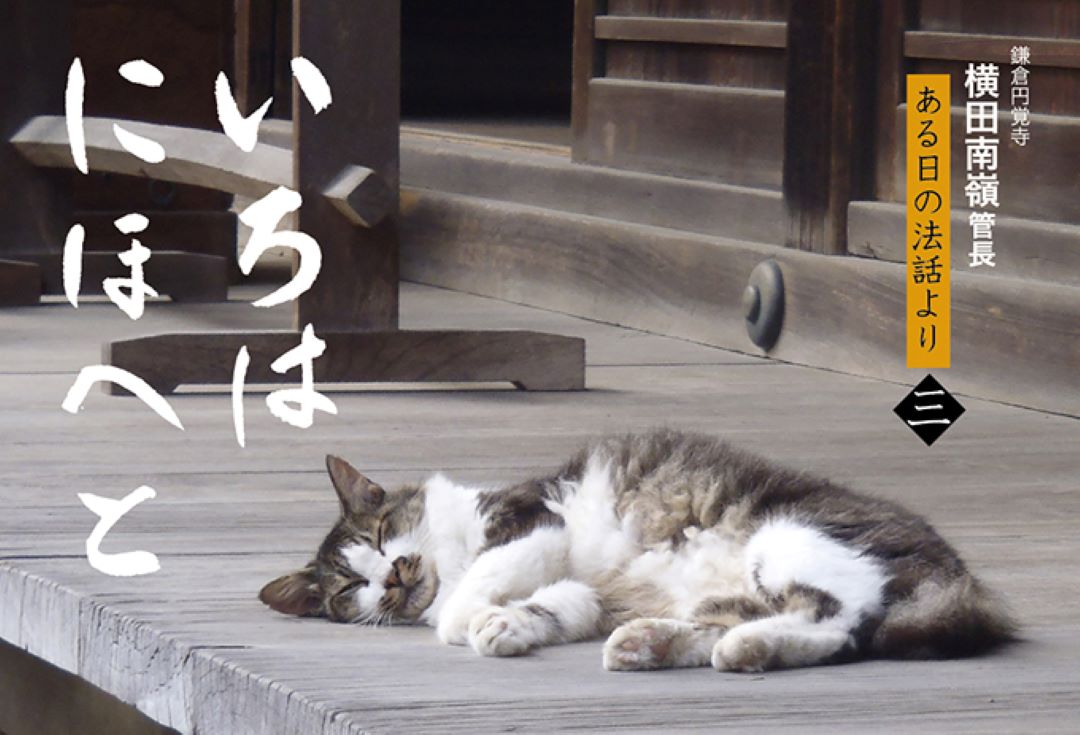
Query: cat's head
point(370, 568)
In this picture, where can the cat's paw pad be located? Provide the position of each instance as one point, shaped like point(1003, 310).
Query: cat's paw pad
point(748, 652)
point(642, 644)
point(500, 631)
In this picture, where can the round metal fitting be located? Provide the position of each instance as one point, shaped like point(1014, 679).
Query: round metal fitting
point(763, 304)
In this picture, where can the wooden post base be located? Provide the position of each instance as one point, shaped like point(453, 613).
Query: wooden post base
point(529, 360)
point(20, 283)
point(192, 277)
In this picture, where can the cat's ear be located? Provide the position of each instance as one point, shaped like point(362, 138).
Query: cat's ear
point(294, 594)
point(356, 493)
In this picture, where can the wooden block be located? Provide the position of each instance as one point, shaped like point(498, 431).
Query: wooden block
point(529, 360)
point(183, 276)
point(20, 283)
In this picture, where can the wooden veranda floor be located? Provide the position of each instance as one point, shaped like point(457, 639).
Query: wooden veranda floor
point(192, 646)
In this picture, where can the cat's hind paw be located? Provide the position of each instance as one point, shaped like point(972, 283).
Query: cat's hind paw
point(737, 651)
point(501, 631)
point(644, 644)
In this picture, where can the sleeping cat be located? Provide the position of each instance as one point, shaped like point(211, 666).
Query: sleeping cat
point(681, 549)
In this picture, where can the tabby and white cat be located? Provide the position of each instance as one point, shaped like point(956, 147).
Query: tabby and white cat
point(683, 550)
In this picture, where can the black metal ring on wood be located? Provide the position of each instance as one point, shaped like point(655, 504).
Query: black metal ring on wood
point(763, 304)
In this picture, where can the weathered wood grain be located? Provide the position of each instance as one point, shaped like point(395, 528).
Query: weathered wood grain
point(529, 360)
point(357, 287)
point(192, 646)
point(688, 130)
point(826, 154)
point(690, 286)
point(544, 178)
point(1025, 248)
point(1051, 52)
point(194, 156)
point(682, 30)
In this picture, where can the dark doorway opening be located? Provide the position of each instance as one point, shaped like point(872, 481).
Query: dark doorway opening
point(488, 67)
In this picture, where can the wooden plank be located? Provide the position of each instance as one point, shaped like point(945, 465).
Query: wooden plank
point(1038, 181)
point(544, 178)
point(529, 360)
point(682, 30)
point(209, 160)
point(20, 283)
point(687, 130)
point(194, 156)
point(358, 53)
point(192, 646)
point(1047, 52)
point(187, 277)
point(1039, 18)
point(35, 39)
point(690, 286)
point(825, 42)
point(766, 10)
point(1026, 248)
point(753, 67)
point(588, 62)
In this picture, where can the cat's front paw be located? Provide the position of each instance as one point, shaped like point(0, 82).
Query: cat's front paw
point(453, 630)
point(643, 644)
point(500, 631)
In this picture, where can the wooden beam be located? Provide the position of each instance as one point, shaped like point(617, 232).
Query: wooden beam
point(194, 156)
point(205, 159)
point(1062, 53)
point(828, 104)
point(683, 30)
point(189, 277)
point(1029, 248)
point(529, 360)
point(689, 286)
point(357, 51)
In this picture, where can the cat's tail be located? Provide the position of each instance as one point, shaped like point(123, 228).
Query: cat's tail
point(960, 617)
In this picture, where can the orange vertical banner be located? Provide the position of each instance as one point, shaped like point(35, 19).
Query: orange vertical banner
point(928, 225)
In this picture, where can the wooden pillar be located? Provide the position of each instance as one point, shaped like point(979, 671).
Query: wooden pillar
point(588, 63)
point(35, 53)
point(358, 53)
point(828, 119)
point(896, 17)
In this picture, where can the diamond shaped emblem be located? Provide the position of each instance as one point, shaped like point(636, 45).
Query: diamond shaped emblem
point(929, 410)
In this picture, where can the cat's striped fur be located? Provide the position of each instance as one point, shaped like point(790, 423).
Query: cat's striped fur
point(683, 550)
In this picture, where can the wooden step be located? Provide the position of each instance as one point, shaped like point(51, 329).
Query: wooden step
point(1014, 340)
point(1025, 248)
point(544, 176)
